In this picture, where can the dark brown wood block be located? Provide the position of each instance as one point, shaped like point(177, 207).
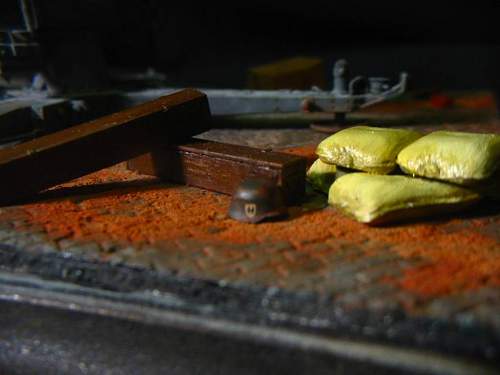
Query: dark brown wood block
point(46, 161)
point(221, 167)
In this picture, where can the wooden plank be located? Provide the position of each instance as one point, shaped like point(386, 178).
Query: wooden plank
point(221, 167)
point(46, 161)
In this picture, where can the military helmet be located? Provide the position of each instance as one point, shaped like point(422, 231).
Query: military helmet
point(257, 199)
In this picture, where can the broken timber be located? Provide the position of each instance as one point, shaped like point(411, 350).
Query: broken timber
point(46, 161)
point(221, 167)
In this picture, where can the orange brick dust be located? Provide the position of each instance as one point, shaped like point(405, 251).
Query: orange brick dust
point(145, 214)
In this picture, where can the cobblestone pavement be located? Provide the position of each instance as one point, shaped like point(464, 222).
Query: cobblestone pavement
point(431, 284)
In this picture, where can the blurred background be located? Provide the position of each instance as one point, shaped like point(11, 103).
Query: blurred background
point(94, 44)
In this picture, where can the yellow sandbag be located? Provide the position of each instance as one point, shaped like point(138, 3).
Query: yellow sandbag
point(463, 158)
point(321, 175)
point(365, 148)
point(342, 171)
point(378, 199)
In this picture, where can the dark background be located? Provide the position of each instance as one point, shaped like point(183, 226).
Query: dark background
point(85, 43)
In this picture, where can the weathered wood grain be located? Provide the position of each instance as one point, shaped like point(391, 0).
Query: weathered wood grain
point(221, 167)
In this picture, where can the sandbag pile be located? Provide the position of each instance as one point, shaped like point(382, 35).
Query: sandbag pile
point(380, 175)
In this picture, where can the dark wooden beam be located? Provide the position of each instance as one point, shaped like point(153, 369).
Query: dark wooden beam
point(46, 161)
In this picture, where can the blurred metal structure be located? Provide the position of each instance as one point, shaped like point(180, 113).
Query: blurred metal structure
point(346, 96)
point(19, 48)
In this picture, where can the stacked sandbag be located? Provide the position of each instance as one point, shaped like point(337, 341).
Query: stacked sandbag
point(446, 171)
point(468, 159)
point(365, 148)
point(321, 175)
point(360, 148)
point(379, 199)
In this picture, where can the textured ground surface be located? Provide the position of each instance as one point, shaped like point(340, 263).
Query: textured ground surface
point(444, 270)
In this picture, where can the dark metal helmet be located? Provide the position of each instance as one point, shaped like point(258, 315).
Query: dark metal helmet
point(257, 199)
